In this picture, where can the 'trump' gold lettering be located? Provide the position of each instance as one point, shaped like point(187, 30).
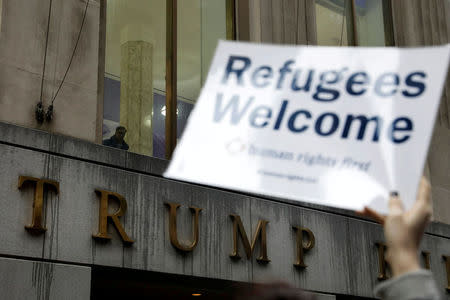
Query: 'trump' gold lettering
point(302, 247)
point(173, 227)
point(238, 229)
point(40, 186)
point(104, 216)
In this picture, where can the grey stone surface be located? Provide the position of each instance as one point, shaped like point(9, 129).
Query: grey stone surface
point(79, 149)
point(24, 279)
point(344, 260)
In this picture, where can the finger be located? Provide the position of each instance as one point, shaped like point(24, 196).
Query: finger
point(370, 213)
point(424, 192)
point(422, 208)
point(395, 204)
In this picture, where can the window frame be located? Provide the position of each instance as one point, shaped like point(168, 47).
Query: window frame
point(171, 67)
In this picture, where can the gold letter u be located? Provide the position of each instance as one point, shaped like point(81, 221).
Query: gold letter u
point(173, 227)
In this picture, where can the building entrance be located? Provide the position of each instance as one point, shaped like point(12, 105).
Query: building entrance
point(117, 283)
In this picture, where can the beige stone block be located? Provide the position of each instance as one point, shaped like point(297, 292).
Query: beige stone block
point(22, 38)
point(65, 25)
point(74, 112)
point(19, 94)
point(22, 48)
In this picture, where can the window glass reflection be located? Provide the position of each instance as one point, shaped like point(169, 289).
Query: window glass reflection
point(134, 82)
point(369, 22)
point(201, 23)
point(134, 93)
point(352, 22)
point(334, 22)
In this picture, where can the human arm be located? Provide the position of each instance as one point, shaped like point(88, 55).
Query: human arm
point(403, 232)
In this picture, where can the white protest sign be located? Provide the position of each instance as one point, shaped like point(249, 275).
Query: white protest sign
point(327, 125)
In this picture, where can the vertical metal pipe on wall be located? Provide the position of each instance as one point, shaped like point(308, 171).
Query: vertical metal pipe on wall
point(171, 77)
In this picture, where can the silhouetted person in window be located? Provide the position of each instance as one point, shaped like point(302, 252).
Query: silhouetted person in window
point(117, 140)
